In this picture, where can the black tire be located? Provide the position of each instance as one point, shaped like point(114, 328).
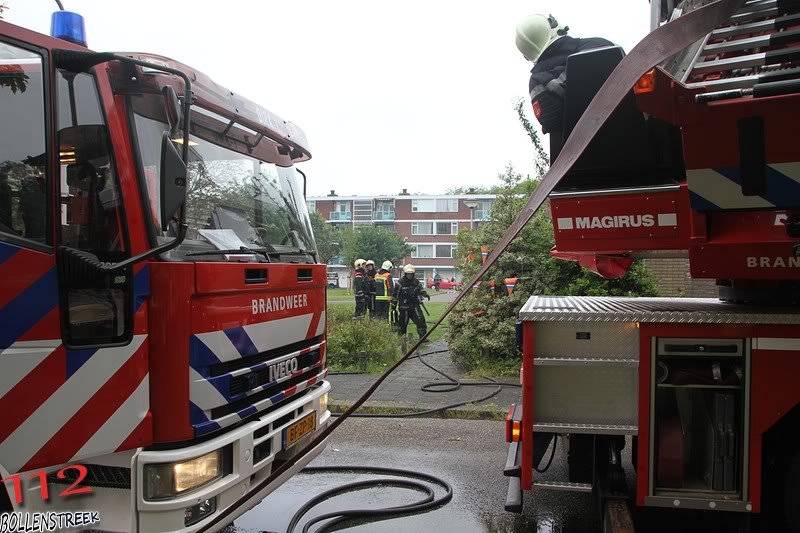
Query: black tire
point(791, 495)
point(580, 458)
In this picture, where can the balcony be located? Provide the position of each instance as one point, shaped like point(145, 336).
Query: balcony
point(383, 216)
point(341, 216)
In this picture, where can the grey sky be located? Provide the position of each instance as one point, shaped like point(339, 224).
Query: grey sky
point(415, 95)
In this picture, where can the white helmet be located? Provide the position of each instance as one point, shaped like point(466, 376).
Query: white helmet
point(370, 262)
point(535, 33)
point(359, 263)
point(409, 269)
point(387, 265)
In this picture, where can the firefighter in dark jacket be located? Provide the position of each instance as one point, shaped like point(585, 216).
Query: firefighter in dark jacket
point(383, 291)
point(543, 41)
point(369, 286)
point(407, 297)
point(359, 277)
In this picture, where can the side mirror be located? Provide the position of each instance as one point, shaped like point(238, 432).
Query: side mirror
point(173, 180)
point(172, 105)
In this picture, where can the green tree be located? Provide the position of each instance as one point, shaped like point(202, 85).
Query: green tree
point(329, 241)
point(481, 334)
point(373, 242)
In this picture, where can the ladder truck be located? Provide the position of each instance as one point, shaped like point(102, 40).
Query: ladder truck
point(162, 308)
point(700, 161)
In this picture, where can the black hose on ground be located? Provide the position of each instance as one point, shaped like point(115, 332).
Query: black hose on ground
point(453, 384)
point(406, 479)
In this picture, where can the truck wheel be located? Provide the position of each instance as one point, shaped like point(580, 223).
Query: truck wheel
point(791, 495)
point(580, 458)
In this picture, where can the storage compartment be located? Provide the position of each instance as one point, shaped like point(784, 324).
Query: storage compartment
point(699, 418)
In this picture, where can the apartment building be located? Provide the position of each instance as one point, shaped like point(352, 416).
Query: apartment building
point(428, 223)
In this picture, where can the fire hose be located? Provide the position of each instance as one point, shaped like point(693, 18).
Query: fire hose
point(452, 384)
point(660, 45)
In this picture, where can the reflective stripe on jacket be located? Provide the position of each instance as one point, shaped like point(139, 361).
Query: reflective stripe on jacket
point(383, 287)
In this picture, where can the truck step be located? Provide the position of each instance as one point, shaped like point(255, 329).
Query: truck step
point(563, 485)
point(514, 496)
point(513, 459)
point(593, 429)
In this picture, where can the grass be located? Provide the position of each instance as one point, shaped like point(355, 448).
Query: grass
point(348, 337)
point(471, 412)
point(496, 369)
point(339, 295)
point(436, 309)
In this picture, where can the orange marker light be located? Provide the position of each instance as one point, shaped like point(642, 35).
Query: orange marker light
point(647, 83)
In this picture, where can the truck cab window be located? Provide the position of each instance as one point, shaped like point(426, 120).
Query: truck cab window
point(23, 187)
point(91, 211)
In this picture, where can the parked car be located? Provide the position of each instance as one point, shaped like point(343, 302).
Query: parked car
point(444, 284)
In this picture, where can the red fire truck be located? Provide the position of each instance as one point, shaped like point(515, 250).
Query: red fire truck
point(700, 161)
point(162, 311)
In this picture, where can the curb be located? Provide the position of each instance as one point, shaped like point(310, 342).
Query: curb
point(477, 412)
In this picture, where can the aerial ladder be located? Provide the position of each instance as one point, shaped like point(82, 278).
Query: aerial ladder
point(700, 161)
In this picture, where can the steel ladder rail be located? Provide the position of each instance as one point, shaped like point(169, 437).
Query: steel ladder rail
point(749, 69)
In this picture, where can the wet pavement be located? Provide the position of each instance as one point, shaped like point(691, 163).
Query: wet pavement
point(468, 454)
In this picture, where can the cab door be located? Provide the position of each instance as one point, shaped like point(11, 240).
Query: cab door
point(73, 366)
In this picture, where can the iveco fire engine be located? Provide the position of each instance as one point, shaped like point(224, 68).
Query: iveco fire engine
point(162, 312)
point(700, 160)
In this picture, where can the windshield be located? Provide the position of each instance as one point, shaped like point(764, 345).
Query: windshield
point(233, 199)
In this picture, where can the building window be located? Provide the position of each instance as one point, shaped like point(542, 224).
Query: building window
point(312, 206)
point(484, 209)
point(446, 205)
point(444, 250)
point(422, 228)
point(447, 228)
point(434, 205)
point(384, 206)
point(341, 211)
point(423, 251)
point(423, 206)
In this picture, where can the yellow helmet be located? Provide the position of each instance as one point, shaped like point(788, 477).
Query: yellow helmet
point(535, 33)
point(359, 263)
point(409, 269)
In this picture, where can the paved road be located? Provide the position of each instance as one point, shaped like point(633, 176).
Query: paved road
point(469, 454)
point(402, 388)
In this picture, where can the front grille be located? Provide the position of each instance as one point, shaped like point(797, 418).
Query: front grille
point(230, 366)
point(238, 405)
point(111, 477)
point(245, 382)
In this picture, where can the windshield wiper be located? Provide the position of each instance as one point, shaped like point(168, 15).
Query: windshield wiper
point(242, 249)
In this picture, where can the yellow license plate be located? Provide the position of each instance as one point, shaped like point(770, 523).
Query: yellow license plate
point(299, 429)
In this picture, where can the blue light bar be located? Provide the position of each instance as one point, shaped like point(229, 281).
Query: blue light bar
point(68, 26)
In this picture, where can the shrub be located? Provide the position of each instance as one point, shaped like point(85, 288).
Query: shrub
point(347, 338)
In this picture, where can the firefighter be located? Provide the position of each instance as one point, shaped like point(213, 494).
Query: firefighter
point(544, 42)
point(358, 289)
point(369, 286)
point(383, 290)
point(407, 297)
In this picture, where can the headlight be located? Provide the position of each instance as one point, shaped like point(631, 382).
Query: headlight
point(323, 403)
point(167, 480)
